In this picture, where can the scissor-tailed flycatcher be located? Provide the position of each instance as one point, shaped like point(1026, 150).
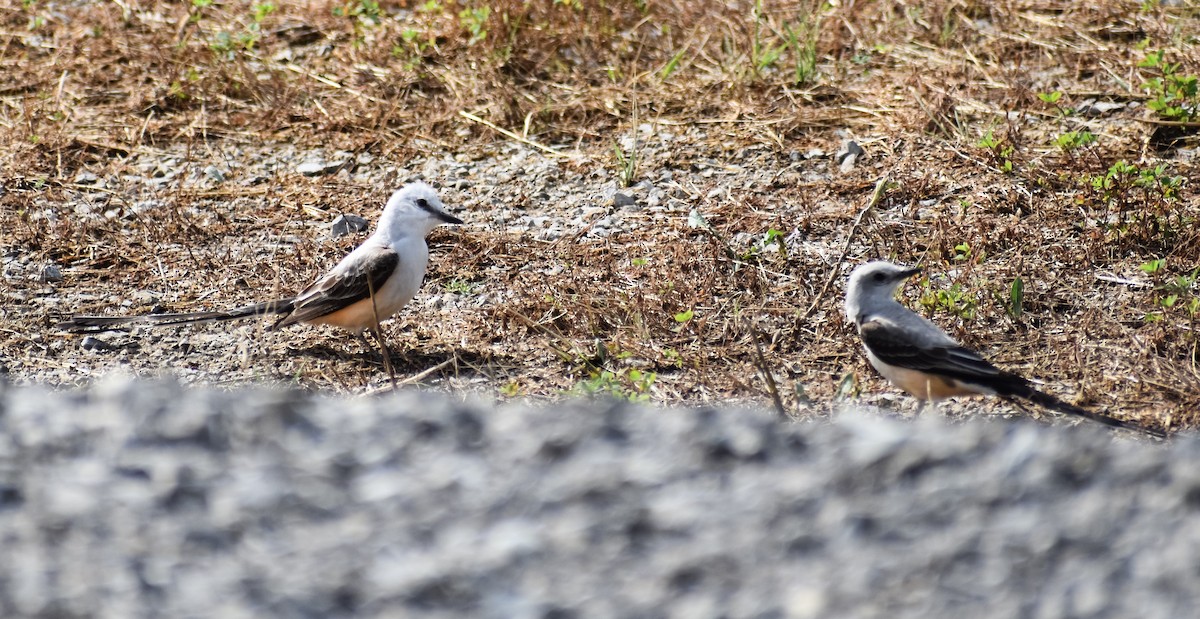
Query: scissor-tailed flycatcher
point(369, 285)
point(918, 357)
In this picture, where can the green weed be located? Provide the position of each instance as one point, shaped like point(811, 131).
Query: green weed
point(1142, 199)
point(462, 286)
point(1074, 140)
point(627, 163)
point(962, 252)
point(1052, 99)
point(798, 38)
point(412, 48)
point(362, 12)
point(771, 240)
point(626, 384)
point(1016, 299)
point(1000, 150)
point(953, 301)
point(474, 21)
point(802, 40)
point(1173, 294)
point(763, 54)
point(672, 64)
point(1173, 95)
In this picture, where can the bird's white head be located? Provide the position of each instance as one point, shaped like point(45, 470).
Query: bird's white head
point(414, 210)
point(872, 286)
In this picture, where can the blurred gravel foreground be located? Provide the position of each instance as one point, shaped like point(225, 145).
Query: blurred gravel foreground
point(141, 499)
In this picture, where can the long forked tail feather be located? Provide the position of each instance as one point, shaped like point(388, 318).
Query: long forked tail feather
point(96, 324)
point(1025, 391)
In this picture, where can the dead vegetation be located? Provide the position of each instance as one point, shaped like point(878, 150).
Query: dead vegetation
point(1024, 142)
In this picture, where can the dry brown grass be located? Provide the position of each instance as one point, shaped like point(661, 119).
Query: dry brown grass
point(90, 85)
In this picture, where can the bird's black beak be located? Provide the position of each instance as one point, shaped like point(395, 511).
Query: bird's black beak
point(448, 218)
point(907, 273)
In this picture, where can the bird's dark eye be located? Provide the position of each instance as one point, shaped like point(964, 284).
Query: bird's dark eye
point(879, 277)
point(423, 203)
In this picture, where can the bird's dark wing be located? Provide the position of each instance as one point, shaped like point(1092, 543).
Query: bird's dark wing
point(344, 285)
point(895, 346)
point(898, 347)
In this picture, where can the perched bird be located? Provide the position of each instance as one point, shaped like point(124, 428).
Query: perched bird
point(918, 357)
point(369, 285)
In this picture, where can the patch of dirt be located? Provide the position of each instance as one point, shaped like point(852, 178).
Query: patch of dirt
point(151, 155)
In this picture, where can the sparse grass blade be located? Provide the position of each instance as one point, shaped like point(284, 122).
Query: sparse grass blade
point(672, 64)
point(1016, 299)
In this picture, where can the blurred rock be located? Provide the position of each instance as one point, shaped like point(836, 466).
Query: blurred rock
point(848, 155)
point(148, 499)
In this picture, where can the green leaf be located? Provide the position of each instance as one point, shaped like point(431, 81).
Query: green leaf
point(988, 140)
point(672, 64)
point(1016, 296)
point(684, 316)
point(1154, 266)
point(1050, 97)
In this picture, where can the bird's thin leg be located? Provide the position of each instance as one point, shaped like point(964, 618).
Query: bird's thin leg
point(387, 354)
point(383, 349)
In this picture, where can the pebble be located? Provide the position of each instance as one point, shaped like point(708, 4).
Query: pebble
point(319, 167)
point(1092, 107)
point(347, 224)
point(848, 155)
point(50, 274)
point(95, 344)
point(214, 173)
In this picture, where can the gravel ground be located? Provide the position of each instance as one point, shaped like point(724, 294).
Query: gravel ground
point(257, 225)
point(146, 499)
point(562, 280)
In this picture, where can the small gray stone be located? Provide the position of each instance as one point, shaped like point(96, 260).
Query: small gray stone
point(1092, 107)
point(50, 274)
point(95, 344)
point(623, 199)
point(319, 167)
point(346, 224)
point(85, 178)
point(214, 173)
point(848, 155)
